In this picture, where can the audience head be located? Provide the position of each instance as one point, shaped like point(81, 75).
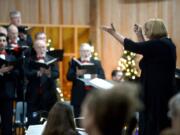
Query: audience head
point(15, 18)
point(174, 113)
point(60, 120)
point(107, 112)
point(85, 51)
point(3, 30)
point(155, 28)
point(3, 41)
point(40, 48)
point(12, 32)
point(117, 75)
point(40, 36)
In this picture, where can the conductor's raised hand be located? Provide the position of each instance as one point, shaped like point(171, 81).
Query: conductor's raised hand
point(137, 29)
point(109, 29)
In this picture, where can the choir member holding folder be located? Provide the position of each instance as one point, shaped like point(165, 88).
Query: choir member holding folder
point(41, 89)
point(8, 75)
point(19, 49)
point(84, 67)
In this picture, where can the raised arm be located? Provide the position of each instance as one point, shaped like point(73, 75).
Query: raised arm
point(136, 47)
point(111, 30)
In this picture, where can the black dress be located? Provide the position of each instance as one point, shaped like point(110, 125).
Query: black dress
point(157, 77)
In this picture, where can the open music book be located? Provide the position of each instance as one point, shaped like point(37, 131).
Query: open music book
point(58, 53)
point(45, 64)
point(90, 68)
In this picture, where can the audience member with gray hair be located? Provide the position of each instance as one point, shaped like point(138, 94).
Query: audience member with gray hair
point(174, 113)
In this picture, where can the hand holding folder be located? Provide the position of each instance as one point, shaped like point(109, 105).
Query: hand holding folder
point(80, 72)
point(44, 71)
point(5, 69)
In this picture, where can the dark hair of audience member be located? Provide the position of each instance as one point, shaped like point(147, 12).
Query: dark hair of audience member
point(113, 73)
point(60, 120)
point(2, 35)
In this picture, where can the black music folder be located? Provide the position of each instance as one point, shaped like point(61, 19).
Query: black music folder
point(55, 56)
point(90, 68)
point(45, 64)
point(58, 53)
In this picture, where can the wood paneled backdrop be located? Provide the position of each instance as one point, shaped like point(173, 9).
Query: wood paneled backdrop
point(123, 13)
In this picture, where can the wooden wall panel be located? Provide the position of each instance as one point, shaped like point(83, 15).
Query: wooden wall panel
point(67, 12)
point(47, 11)
point(5, 7)
point(80, 11)
point(55, 12)
point(175, 24)
point(33, 11)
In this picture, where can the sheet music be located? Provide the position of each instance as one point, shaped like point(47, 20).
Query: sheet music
point(101, 83)
point(36, 129)
point(98, 83)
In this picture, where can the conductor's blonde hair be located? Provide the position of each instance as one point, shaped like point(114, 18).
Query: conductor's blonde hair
point(155, 28)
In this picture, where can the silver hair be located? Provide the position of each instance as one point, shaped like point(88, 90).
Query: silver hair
point(14, 13)
point(174, 106)
point(86, 45)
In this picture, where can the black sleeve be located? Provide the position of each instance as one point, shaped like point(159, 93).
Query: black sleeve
point(138, 47)
point(71, 74)
point(100, 70)
point(54, 71)
point(29, 40)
